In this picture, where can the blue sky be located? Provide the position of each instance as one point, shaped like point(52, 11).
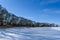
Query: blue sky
point(36, 10)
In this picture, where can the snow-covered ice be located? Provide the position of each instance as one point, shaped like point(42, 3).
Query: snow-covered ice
point(37, 33)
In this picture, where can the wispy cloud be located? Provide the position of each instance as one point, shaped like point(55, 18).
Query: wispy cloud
point(50, 11)
point(50, 14)
point(42, 2)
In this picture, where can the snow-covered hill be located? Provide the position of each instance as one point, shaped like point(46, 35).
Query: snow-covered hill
point(7, 18)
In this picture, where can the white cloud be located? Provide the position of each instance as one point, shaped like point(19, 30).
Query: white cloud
point(50, 11)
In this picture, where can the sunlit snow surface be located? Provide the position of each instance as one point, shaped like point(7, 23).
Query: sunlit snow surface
point(37, 33)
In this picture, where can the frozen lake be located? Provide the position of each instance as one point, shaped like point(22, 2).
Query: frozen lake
point(37, 33)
